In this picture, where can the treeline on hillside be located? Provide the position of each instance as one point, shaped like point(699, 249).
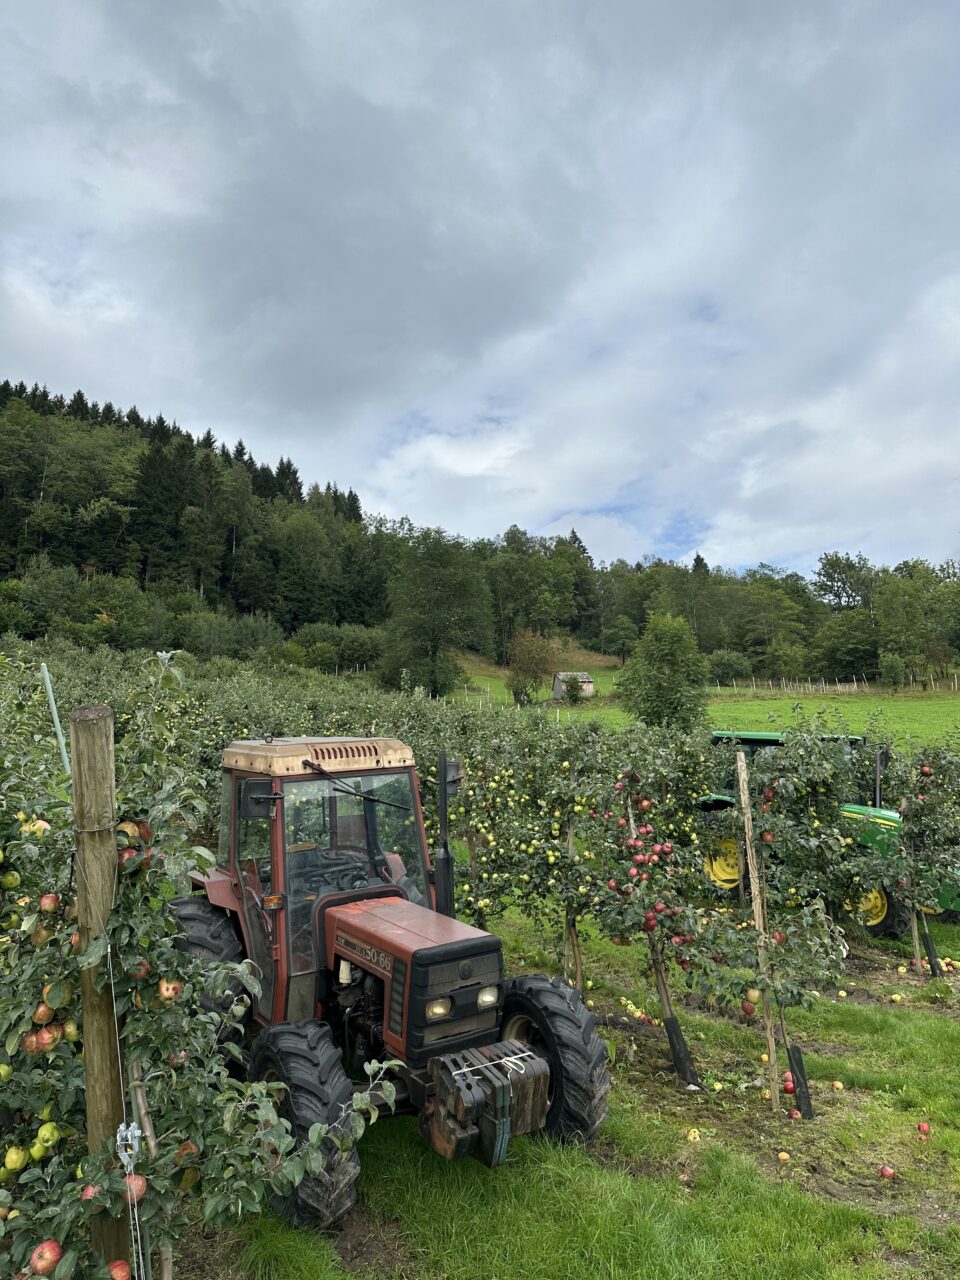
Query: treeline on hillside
point(125, 530)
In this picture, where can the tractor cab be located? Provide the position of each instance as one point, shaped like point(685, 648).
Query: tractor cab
point(324, 881)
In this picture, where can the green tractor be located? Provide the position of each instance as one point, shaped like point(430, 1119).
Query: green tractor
point(884, 915)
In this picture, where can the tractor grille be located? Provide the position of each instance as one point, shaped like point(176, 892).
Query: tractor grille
point(442, 978)
point(398, 982)
point(457, 1030)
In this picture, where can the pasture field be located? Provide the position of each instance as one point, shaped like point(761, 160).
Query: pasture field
point(925, 717)
point(645, 1198)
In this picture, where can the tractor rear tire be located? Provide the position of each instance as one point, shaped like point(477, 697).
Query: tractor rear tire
point(551, 1018)
point(212, 936)
point(895, 921)
point(304, 1057)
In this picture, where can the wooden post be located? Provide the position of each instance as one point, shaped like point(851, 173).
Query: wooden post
point(94, 810)
point(759, 916)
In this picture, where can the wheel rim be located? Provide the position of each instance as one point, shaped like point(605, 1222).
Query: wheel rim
point(873, 906)
point(722, 864)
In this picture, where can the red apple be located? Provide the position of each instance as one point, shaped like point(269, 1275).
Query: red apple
point(140, 970)
point(49, 902)
point(748, 1007)
point(186, 1150)
point(926, 770)
point(44, 1259)
point(793, 1114)
point(923, 1128)
point(768, 793)
point(42, 1014)
point(169, 989)
point(887, 1171)
point(611, 884)
point(789, 1086)
point(118, 1269)
point(29, 1043)
point(49, 1037)
point(88, 1192)
point(666, 847)
point(136, 1187)
point(767, 837)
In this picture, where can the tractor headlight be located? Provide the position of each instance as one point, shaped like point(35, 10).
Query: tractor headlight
point(487, 997)
point(438, 1008)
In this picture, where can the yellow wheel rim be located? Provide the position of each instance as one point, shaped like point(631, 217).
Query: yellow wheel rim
point(722, 864)
point(873, 906)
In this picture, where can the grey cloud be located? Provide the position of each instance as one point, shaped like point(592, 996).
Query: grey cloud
point(545, 264)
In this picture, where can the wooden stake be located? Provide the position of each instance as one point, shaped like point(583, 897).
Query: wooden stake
point(759, 916)
point(94, 809)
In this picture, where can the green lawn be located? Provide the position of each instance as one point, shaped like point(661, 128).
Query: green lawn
point(927, 717)
point(645, 1199)
point(930, 717)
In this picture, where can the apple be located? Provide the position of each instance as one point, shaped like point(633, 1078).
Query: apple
point(136, 1187)
point(748, 1007)
point(126, 859)
point(783, 1156)
point(43, 1014)
point(611, 884)
point(118, 1269)
point(185, 1150)
point(10, 880)
point(666, 848)
point(649, 925)
point(66, 997)
point(140, 970)
point(49, 902)
point(44, 1259)
point(6, 1071)
point(838, 1086)
point(753, 995)
point(29, 1043)
point(646, 804)
point(145, 830)
point(48, 1134)
point(923, 1127)
point(926, 770)
point(40, 935)
point(71, 1030)
point(659, 908)
point(49, 1037)
point(768, 793)
point(789, 1086)
point(169, 989)
point(87, 1194)
point(38, 1151)
point(793, 1114)
point(887, 1171)
point(633, 873)
point(768, 837)
point(16, 1158)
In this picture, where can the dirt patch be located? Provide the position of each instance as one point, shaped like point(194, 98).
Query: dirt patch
point(365, 1244)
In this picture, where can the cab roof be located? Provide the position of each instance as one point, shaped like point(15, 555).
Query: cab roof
point(281, 757)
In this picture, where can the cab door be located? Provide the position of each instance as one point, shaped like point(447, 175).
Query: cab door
point(255, 862)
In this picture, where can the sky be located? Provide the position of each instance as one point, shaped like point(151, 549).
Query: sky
point(684, 277)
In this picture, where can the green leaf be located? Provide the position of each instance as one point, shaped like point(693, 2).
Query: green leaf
point(67, 1265)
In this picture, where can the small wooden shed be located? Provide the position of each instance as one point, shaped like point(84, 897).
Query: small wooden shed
point(560, 684)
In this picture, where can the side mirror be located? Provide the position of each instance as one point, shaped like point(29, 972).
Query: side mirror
point(256, 798)
point(449, 777)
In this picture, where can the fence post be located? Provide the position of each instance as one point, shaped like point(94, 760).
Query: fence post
point(94, 810)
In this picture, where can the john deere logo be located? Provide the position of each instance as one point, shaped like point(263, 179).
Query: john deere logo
point(378, 959)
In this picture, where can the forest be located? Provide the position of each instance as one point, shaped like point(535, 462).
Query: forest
point(129, 531)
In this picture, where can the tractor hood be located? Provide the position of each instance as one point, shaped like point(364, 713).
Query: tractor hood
point(397, 928)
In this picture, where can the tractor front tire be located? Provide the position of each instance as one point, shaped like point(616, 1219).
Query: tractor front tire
point(304, 1057)
point(210, 935)
point(552, 1020)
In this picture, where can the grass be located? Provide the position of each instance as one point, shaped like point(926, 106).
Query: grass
point(646, 1199)
point(926, 717)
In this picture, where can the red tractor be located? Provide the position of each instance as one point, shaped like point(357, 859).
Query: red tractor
point(324, 881)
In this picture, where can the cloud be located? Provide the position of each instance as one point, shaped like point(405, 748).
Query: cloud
point(679, 276)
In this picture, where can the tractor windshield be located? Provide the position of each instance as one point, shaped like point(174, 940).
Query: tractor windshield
point(348, 831)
